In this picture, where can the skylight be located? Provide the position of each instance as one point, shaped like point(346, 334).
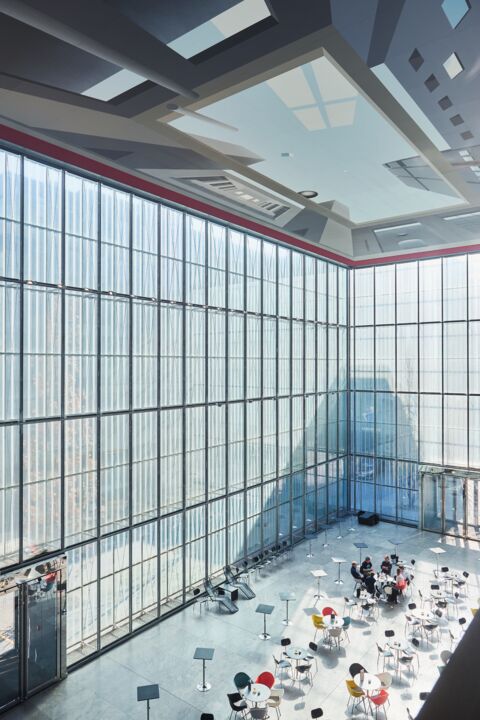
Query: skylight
point(114, 85)
point(453, 66)
point(455, 10)
point(228, 23)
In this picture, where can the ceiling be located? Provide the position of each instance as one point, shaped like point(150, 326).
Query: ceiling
point(374, 107)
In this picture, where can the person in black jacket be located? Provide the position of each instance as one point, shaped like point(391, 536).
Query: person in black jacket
point(354, 572)
point(370, 583)
point(386, 565)
point(366, 566)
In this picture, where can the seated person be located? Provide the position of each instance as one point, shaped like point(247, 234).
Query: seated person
point(386, 565)
point(369, 582)
point(400, 585)
point(366, 566)
point(354, 572)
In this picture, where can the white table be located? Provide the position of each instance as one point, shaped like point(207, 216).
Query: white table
point(425, 616)
point(369, 684)
point(318, 574)
point(337, 622)
point(257, 693)
point(296, 653)
point(398, 646)
point(437, 551)
point(339, 562)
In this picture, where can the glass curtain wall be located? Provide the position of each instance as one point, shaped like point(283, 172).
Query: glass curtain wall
point(415, 348)
point(173, 395)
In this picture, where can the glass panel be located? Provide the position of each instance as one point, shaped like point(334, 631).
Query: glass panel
point(432, 502)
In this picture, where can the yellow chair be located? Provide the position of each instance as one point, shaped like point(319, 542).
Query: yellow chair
point(355, 694)
point(318, 624)
point(474, 611)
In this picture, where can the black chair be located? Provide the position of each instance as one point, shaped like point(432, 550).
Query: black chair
point(206, 716)
point(355, 668)
point(237, 704)
point(241, 586)
point(434, 587)
point(444, 569)
point(424, 695)
point(223, 600)
point(285, 642)
point(462, 621)
point(316, 713)
point(412, 606)
point(389, 633)
point(313, 646)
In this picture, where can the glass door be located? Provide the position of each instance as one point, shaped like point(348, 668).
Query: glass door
point(473, 508)
point(42, 629)
point(454, 505)
point(432, 502)
point(9, 647)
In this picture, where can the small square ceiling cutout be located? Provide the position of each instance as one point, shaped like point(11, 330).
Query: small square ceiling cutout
point(432, 83)
point(453, 66)
point(457, 120)
point(416, 60)
point(455, 10)
point(445, 102)
point(467, 135)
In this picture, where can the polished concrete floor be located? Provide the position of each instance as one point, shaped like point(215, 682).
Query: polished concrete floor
point(106, 688)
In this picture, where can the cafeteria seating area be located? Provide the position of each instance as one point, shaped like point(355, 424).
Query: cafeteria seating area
point(369, 657)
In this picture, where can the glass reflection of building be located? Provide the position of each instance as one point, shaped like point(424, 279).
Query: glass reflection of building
point(173, 394)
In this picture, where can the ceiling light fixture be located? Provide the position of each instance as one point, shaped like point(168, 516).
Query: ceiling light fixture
point(308, 194)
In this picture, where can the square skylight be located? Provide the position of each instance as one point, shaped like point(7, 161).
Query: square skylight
point(114, 85)
point(228, 23)
point(453, 66)
point(455, 10)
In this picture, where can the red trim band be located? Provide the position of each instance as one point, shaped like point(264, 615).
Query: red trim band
point(71, 157)
point(74, 158)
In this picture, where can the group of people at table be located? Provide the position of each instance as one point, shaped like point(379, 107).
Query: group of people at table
point(376, 583)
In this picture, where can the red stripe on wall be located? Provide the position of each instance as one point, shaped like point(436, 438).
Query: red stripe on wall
point(71, 157)
point(76, 159)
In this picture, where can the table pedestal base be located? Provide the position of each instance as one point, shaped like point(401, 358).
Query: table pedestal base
point(264, 636)
point(204, 688)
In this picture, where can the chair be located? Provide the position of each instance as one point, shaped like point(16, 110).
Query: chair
point(314, 648)
point(285, 642)
point(328, 611)
point(355, 668)
point(274, 701)
point(379, 700)
point(355, 694)
point(206, 716)
point(241, 680)
point(281, 665)
point(346, 624)
point(242, 587)
point(237, 704)
point(429, 631)
point(349, 603)
point(389, 633)
point(304, 671)
point(222, 600)
point(383, 654)
point(405, 661)
point(318, 624)
point(334, 636)
point(259, 713)
point(316, 713)
point(462, 622)
point(199, 599)
point(386, 679)
point(423, 696)
point(266, 678)
point(413, 624)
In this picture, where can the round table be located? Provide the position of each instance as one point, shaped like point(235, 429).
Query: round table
point(337, 622)
point(370, 684)
point(426, 616)
point(398, 646)
point(296, 653)
point(257, 693)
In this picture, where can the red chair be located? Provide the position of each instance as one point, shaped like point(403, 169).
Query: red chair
point(328, 611)
point(379, 700)
point(266, 678)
